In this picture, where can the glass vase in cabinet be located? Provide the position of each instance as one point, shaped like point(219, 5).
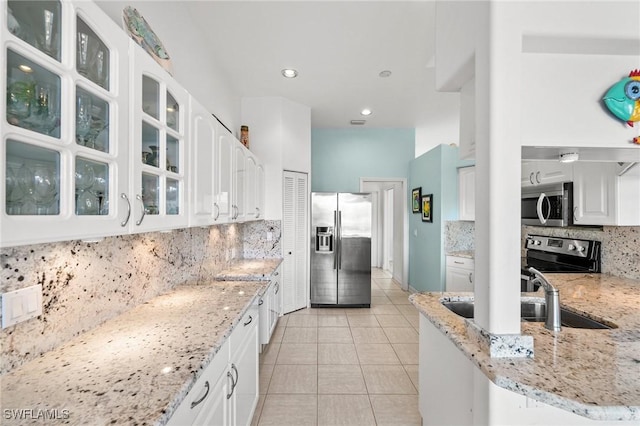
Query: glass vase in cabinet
point(62, 166)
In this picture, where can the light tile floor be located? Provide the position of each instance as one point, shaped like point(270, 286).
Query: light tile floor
point(344, 366)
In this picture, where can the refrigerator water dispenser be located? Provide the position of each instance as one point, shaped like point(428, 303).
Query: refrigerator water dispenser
point(324, 239)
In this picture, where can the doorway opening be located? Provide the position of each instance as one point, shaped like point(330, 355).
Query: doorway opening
point(389, 230)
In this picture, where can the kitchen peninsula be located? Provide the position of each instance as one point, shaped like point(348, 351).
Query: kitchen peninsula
point(592, 373)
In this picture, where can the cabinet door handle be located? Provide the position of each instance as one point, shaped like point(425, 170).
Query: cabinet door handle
point(276, 273)
point(233, 367)
point(531, 178)
point(257, 211)
point(277, 288)
point(248, 322)
point(260, 302)
point(217, 211)
point(233, 384)
point(470, 277)
point(126, 220)
point(538, 177)
point(139, 198)
point(575, 219)
point(194, 403)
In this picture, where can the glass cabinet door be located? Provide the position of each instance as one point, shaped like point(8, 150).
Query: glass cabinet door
point(159, 135)
point(63, 118)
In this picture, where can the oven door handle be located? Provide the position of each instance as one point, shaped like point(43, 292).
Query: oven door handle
point(541, 199)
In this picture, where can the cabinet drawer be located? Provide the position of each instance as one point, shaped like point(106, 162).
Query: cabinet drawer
point(248, 322)
point(202, 391)
point(460, 262)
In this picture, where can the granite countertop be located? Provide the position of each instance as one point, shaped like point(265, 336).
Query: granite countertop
point(249, 270)
point(593, 373)
point(137, 367)
point(469, 254)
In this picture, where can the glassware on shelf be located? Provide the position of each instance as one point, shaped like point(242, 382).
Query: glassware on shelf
point(14, 194)
point(37, 23)
point(33, 96)
point(173, 112)
point(173, 189)
point(40, 185)
point(82, 54)
point(154, 158)
point(83, 118)
point(173, 153)
point(150, 189)
point(91, 185)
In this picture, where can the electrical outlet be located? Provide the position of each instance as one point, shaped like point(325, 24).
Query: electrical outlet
point(21, 305)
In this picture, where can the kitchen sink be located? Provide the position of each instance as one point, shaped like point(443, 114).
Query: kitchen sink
point(533, 312)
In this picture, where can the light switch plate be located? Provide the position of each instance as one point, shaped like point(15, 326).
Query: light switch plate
point(21, 305)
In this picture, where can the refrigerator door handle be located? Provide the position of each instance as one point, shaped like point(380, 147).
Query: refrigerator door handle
point(339, 239)
point(335, 239)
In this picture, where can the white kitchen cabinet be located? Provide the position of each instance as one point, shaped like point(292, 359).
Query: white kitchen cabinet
point(260, 188)
point(467, 193)
point(628, 195)
point(468, 119)
point(159, 140)
point(238, 184)
point(204, 132)
point(223, 176)
point(594, 193)
point(64, 142)
point(270, 308)
point(459, 273)
point(535, 173)
point(226, 394)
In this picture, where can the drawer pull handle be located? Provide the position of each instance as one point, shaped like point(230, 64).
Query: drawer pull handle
point(260, 302)
point(194, 403)
point(458, 262)
point(276, 273)
point(248, 322)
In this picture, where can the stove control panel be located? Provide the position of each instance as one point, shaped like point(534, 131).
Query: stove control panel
point(568, 246)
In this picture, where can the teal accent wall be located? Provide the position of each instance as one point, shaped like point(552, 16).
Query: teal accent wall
point(340, 157)
point(436, 172)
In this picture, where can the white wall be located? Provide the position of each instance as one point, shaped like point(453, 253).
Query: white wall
point(193, 67)
point(439, 119)
point(280, 135)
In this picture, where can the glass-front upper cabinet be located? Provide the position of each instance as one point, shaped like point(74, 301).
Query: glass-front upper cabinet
point(159, 111)
point(64, 131)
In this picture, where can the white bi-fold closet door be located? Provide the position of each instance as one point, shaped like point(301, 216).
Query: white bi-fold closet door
point(295, 237)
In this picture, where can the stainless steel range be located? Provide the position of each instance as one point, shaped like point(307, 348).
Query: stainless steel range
point(556, 254)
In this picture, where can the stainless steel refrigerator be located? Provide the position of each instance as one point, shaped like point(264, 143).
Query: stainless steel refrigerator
point(340, 249)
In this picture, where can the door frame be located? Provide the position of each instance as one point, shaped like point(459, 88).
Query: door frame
point(404, 280)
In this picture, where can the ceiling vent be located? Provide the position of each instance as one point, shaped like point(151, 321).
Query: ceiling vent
point(358, 122)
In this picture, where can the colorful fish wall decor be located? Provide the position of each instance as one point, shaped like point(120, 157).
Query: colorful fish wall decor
point(141, 32)
point(623, 100)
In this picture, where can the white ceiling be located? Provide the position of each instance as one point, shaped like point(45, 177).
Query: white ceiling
point(338, 48)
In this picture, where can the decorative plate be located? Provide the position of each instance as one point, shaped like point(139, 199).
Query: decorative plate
point(141, 32)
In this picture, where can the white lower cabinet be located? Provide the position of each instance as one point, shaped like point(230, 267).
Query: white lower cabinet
point(270, 309)
point(227, 392)
point(459, 273)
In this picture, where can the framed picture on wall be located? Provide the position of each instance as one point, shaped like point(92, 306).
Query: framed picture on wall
point(416, 196)
point(427, 207)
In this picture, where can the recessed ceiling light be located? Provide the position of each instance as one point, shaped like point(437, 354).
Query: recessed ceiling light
point(385, 73)
point(366, 111)
point(289, 73)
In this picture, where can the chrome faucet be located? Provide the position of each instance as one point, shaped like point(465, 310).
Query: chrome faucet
point(551, 298)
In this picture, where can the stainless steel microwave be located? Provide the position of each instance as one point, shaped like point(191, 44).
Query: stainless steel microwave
point(548, 205)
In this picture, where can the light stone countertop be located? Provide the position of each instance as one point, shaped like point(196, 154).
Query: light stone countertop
point(138, 367)
point(593, 373)
point(249, 270)
point(469, 254)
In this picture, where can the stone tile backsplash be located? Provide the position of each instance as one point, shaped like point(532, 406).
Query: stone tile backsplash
point(85, 284)
point(620, 244)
